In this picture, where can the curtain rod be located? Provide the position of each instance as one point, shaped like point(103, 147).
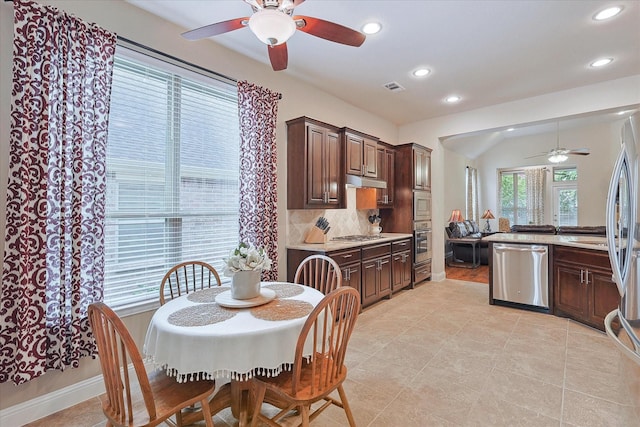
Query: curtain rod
point(182, 61)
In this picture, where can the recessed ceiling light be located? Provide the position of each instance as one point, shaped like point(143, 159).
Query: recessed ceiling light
point(607, 13)
point(511, 129)
point(601, 62)
point(371, 27)
point(421, 72)
point(621, 112)
point(452, 99)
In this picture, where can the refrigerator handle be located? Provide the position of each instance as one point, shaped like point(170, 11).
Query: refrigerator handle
point(612, 245)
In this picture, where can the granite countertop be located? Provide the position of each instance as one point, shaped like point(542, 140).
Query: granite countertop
point(336, 245)
point(586, 242)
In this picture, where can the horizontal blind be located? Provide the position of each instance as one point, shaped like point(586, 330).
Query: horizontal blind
point(172, 175)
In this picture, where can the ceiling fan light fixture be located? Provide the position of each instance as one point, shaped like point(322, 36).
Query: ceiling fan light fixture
point(557, 157)
point(371, 27)
point(272, 27)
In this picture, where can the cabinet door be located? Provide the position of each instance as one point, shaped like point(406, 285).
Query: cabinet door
point(351, 276)
point(386, 172)
point(332, 165)
point(422, 169)
point(603, 296)
point(384, 276)
point(369, 158)
point(570, 291)
point(397, 272)
point(354, 148)
point(406, 268)
point(316, 180)
point(368, 289)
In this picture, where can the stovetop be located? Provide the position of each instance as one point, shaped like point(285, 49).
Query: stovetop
point(358, 237)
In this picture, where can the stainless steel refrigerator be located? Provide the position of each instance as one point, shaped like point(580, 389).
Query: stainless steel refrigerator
point(623, 236)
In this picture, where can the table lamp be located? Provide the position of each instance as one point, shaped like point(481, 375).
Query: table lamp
point(456, 216)
point(487, 215)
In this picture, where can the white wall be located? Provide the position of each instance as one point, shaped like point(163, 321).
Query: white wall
point(594, 170)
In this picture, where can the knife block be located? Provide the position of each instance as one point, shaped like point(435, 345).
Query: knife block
point(315, 235)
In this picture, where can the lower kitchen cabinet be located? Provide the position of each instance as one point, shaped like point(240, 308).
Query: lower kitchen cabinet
point(583, 288)
point(401, 264)
point(376, 273)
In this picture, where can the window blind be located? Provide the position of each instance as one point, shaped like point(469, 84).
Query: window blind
point(172, 175)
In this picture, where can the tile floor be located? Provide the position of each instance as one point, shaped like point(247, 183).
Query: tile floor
point(440, 355)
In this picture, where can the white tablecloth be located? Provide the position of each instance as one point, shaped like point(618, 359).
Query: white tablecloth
point(238, 347)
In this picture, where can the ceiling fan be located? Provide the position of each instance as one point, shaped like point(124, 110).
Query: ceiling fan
point(561, 154)
point(273, 23)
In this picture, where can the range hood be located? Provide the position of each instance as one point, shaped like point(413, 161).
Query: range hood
point(364, 182)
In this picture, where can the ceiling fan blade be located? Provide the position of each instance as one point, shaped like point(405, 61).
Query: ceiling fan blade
point(279, 56)
point(579, 151)
point(537, 155)
point(329, 31)
point(215, 29)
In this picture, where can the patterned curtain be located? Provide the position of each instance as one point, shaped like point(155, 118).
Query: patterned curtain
point(472, 213)
point(535, 195)
point(54, 257)
point(258, 110)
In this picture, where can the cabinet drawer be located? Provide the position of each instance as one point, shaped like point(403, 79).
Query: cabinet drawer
point(374, 251)
point(421, 272)
point(346, 257)
point(584, 257)
point(399, 246)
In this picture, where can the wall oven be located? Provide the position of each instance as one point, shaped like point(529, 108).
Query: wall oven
point(422, 206)
point(421, 241)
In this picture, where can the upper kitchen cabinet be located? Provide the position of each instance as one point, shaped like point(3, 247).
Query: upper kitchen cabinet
point(360, 153)
point(386, 172)
point(314, 165)
point(422, 168)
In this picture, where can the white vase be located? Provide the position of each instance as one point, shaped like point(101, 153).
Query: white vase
point(245, 284)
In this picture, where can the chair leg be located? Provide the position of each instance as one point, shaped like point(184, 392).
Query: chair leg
point(260, 390)
point(304, 413)
point(206, 413)
point(345, 406)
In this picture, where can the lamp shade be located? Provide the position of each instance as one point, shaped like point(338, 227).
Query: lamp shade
point(488, 214)
point(272, 27)
point(456, 216)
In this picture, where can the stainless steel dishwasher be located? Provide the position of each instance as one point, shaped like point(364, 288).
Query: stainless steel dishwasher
point(521, 274)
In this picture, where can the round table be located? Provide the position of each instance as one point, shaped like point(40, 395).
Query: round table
point(193, 337)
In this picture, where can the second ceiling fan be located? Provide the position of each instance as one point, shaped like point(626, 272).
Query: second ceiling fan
point(273, 23)
point(561, 154)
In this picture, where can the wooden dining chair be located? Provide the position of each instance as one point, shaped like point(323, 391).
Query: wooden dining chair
point(316, 373)
point(319, 272)
point(156, 397)
point(188, 276)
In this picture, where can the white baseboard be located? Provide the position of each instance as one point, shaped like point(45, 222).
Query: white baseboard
point(34, 409)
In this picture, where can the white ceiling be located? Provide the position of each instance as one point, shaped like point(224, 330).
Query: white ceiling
point(488, 52)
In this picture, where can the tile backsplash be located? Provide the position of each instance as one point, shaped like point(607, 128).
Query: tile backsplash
point(342, 221)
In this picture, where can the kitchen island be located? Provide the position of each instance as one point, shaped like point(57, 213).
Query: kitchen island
point(579, 284)
point(376, 267)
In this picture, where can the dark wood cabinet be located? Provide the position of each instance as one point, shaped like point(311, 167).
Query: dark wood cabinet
point(583, 288)
point(376, 273)
point(401, 264)
point(314, 165)
point(422, 168)
point(386, 172)
point(360, 153)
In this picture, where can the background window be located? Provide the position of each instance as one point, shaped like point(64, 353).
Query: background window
point(513, 196)
point(172, 175)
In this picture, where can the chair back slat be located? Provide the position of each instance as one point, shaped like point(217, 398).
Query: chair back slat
point(116, 349)
point(319, 272)
point(189, 276)
point(328, 328)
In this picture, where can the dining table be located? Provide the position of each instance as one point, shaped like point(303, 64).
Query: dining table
point(209, 335)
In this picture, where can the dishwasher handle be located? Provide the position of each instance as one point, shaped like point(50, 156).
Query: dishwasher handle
point(520, 248)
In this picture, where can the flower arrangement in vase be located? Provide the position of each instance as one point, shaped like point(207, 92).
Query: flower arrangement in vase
point(244, 265)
